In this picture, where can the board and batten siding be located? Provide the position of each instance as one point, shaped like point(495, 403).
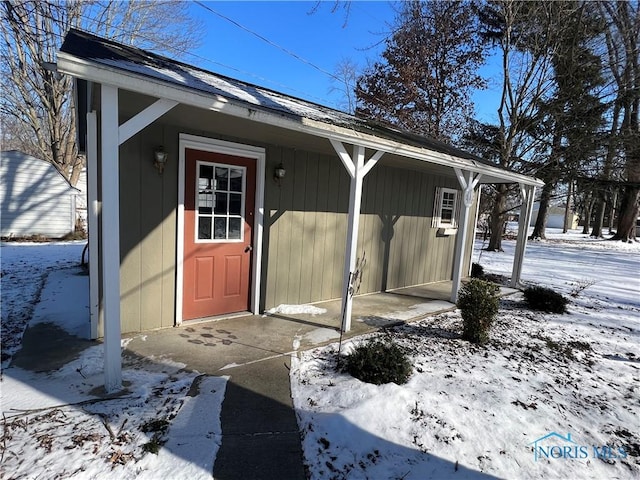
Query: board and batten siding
point(147, 231)
point(35, 199)
point(306, 224)
point(305, 228)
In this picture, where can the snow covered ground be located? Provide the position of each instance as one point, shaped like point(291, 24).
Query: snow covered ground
point(550, 396)
point(59, 425)
point(25, 267)
point(467, 411)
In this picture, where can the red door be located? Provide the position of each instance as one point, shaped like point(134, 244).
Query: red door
point(218, 224)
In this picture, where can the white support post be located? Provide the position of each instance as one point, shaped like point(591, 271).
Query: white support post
point(357, 169)
point(355, 199)
point(468, 184)
point(111, 239)
point(528, 194)
point(92, 221)
point(113, 135)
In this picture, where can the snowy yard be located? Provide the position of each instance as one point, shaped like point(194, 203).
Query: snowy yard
point(478, 412)
point(58, 424)
point(467, 411)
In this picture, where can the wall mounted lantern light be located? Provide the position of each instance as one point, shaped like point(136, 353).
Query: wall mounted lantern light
point(160, 158)
point(279, 172)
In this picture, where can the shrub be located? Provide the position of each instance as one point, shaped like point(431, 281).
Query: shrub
point(545, 299)
point(379, 362)
point(478, 303)
point(477, 270)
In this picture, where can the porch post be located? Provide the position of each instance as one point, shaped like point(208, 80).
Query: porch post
point(468, 184)
point(528, 193)
point(111, 239)
point(92, 220)
point(357, 170)
point(353, 222)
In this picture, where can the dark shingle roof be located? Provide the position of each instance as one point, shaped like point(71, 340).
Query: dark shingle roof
point(134, 60)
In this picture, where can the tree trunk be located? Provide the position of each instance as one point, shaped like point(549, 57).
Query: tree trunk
point(612, 211)
point(628, 215)
point(599, 217)
point(541, 220)
point(588, 207)
point(497, 220)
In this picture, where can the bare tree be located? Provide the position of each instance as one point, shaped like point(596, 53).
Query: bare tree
point(344, 83)
point(521, 31)
point(623, 51)
point(36, 108)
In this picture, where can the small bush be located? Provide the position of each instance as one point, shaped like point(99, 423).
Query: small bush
point(379, 362)
point(477, 270)
point(545, 299)
point(478, 303)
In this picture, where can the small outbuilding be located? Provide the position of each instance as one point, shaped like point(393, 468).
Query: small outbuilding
point(35, 198)
point(555, 217)
point(217, 196)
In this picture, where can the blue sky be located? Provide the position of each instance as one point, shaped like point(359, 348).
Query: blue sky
point(319, 37)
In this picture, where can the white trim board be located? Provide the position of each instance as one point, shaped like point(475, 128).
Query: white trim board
point(229, 148)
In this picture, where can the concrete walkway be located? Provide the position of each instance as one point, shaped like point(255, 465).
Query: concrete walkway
point(260, 437)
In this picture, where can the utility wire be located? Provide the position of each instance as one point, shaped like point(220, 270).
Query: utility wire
point(269, 42)
point(196, 56)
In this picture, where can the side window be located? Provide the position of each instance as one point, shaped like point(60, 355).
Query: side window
point(445, 208)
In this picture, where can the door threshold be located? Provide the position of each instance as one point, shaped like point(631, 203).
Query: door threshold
point(215, 318)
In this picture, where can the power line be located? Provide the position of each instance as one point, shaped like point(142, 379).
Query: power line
point(170, 48)
point(269, 42)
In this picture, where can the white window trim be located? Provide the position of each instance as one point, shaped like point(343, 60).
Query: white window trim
point(437, 209)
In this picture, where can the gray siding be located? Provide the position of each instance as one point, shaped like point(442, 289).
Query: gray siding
point(148, 232)
point(35, 199)
point(306, 229)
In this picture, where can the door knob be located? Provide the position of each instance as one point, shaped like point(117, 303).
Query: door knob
point(248, 248)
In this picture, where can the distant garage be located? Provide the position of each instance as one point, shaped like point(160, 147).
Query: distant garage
point(35, 199)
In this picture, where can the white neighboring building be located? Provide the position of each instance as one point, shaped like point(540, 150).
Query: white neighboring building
point(555, 217)
point(35, 199)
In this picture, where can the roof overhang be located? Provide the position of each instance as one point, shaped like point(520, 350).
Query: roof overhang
point(101, 73)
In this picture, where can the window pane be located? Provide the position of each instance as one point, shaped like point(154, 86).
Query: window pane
point(235, 204)
point(206, 174)
point(205, 202)
point(448, 200)
point(221, 203)
point(447, 216)
point(235, 180)
point(234, 228)
point(204, 228)
point(220, 228)
point(222, 176)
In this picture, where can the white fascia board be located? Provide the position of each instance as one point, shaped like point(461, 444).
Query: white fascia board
point(99, 73)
